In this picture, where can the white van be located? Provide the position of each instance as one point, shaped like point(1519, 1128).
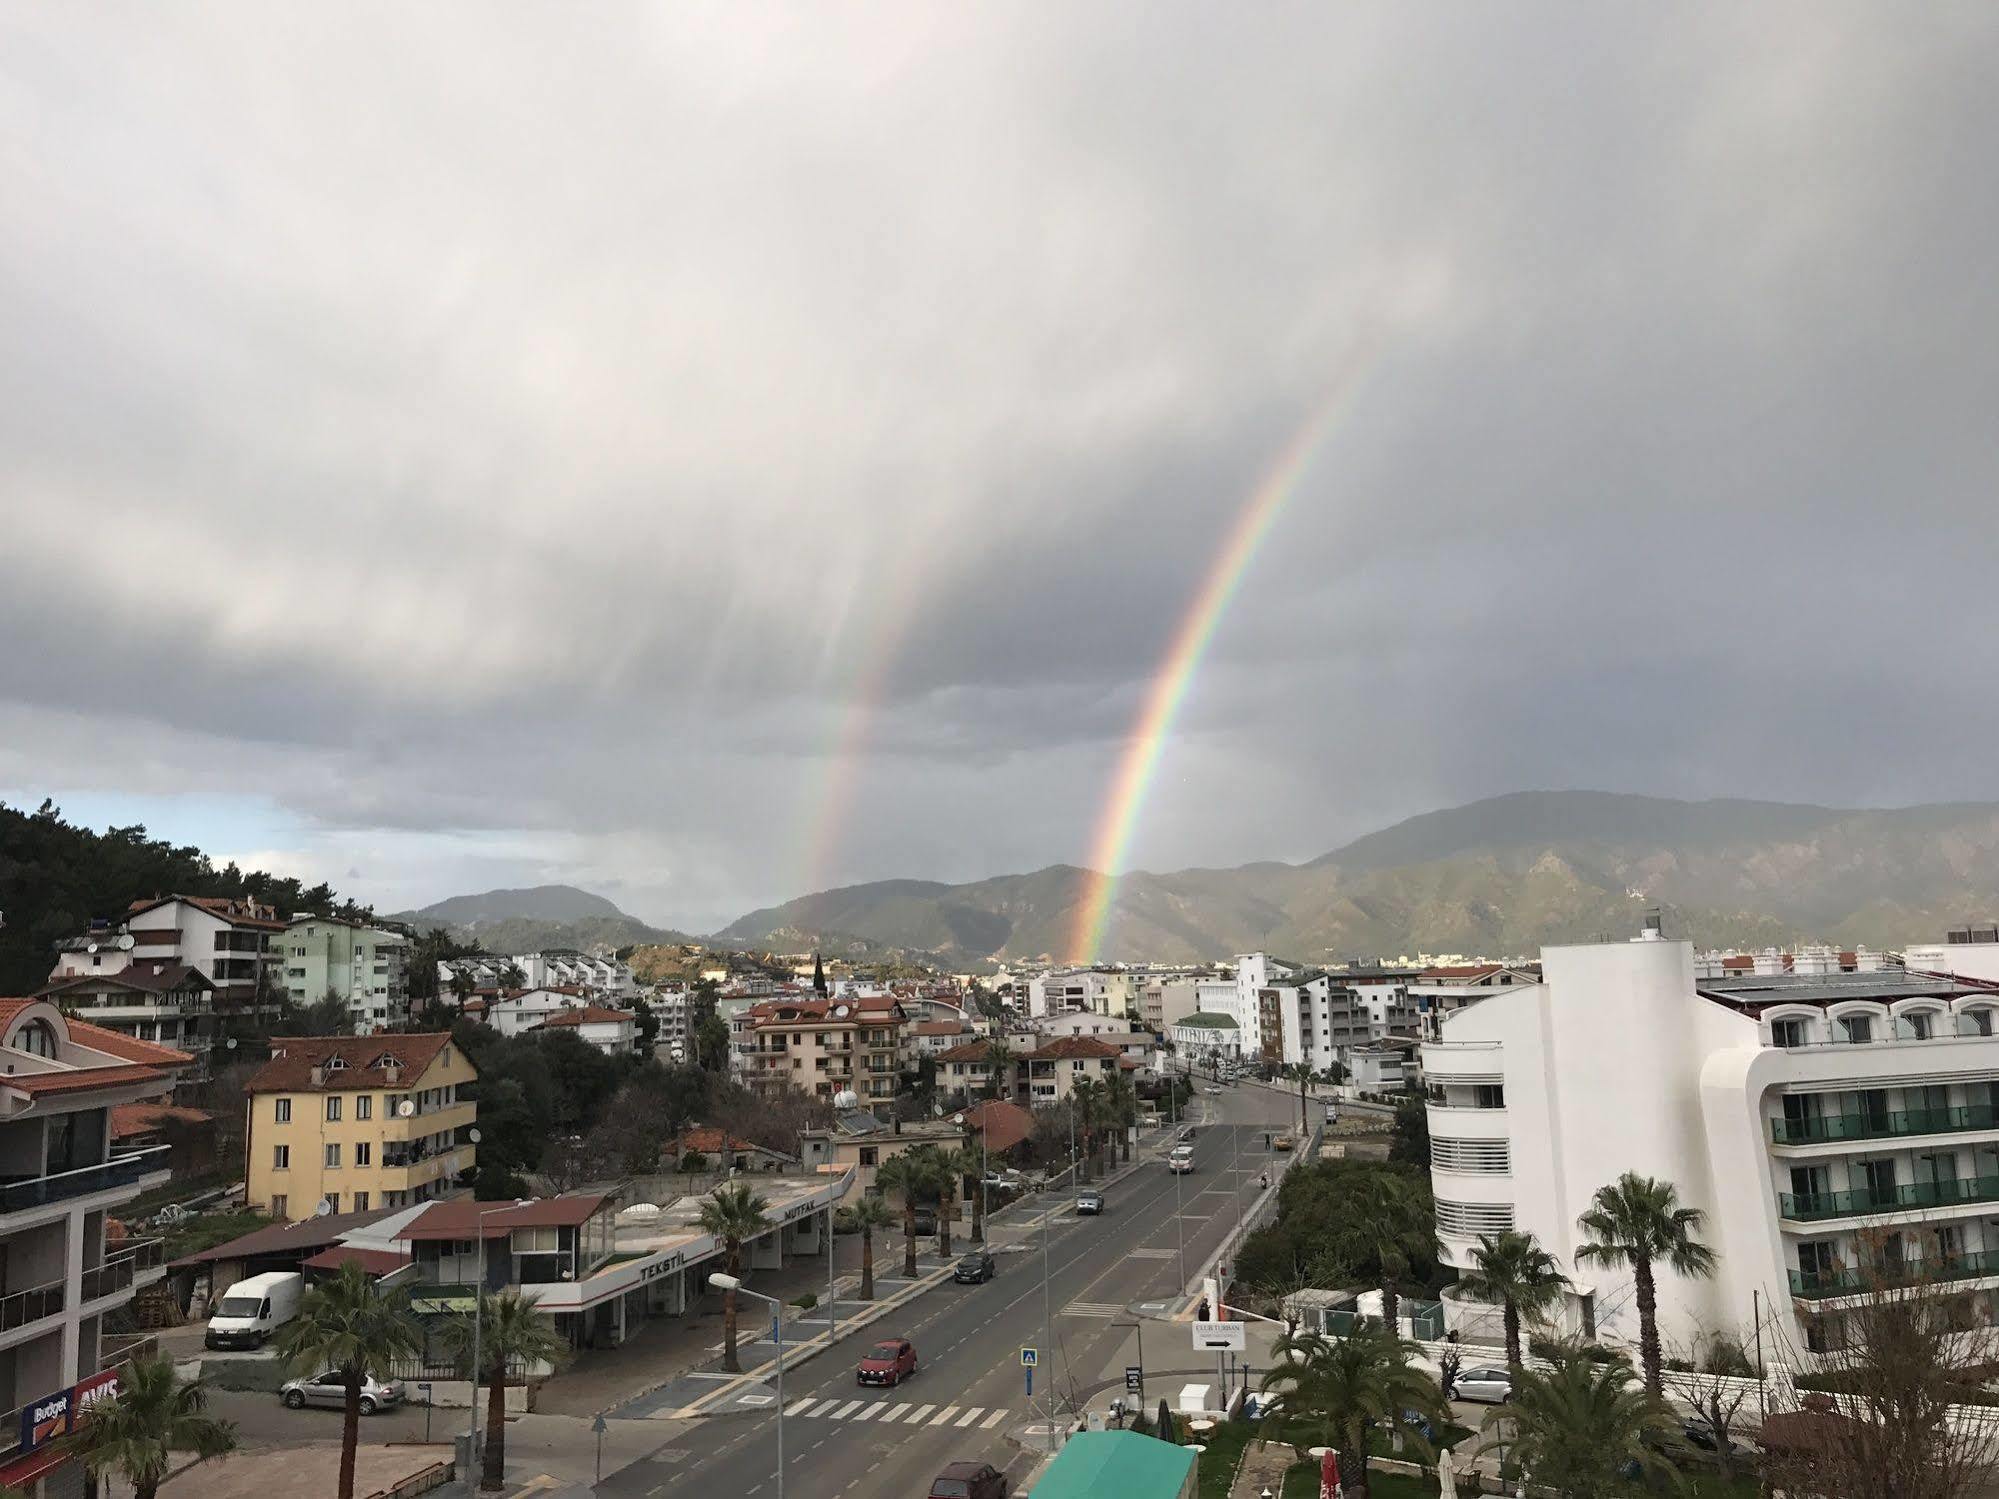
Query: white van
point(251, 1310)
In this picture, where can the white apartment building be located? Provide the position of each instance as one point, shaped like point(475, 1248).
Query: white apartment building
point(673, 1008)
point(1163, 1001)
point(61, 1181)
point(556, 968)
point(1321, 1020)
point(1103, 991)
point(1967, 952)
point(234, 944)
point(1206, 1036)
point(170, 1004)
point(1822, 1121)
point(613, 1032)
point(1443, 991)
point(512, 1014)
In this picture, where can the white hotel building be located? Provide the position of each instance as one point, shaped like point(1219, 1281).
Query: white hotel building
point(1822, 1120)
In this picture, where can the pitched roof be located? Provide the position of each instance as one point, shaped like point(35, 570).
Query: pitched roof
point(9, 1008)
point(1116, 1465)
point(1209, 1020)
point(467, 1218)
point(125, 1048)
point(1066, 1048)
point(275, 1238)
point(361, 1057)
point(1003, 1124)
point(585, 1015)
point(82, 1079)
point(236, 912)
point(708, 1140)
point(374, 1261)
point(147, 975)
point(939, 1028)
point(1462, 971)
point(819, 1011)
point(129, 1119)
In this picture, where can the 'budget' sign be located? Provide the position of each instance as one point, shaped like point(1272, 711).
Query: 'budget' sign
point(45, 1420)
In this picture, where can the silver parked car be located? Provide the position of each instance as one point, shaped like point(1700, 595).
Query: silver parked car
point(1487, 1383)
point(331, 1389)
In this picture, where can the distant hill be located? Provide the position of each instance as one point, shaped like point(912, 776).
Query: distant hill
point(541, 916)
point(1500, 876)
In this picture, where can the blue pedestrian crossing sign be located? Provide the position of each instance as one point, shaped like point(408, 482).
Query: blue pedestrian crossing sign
point(1029, 1357)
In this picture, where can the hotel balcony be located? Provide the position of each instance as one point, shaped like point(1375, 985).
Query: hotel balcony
point(1816, 1285)
point(1883, 1124)
point(1860, 1202)
point(130, 1169)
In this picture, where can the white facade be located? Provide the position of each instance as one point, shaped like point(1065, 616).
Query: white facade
point(1205, 1037)
point(1793, 1110)
point(516, 1013)
point(1103, 991)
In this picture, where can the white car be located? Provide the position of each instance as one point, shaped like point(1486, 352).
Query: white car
point(1213, 1089)
point(1487, 1384)
point(1181, 1161)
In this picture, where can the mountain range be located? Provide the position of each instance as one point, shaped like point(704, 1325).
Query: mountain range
point(1496, 877)
point(538, 917)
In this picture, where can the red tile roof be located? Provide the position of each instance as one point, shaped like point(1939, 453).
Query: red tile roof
point(939, 1028)
point(1003, 1124)
point(129, 1119)
point(374, 1261)
point(81, 1080)
point(126, 1048)
point(460, 1219)
point(820, 1011)
point(290, 1067)
point(971, 1051)
point(147, 975)
point(306, 1233)
point(708, 1139)
point(1066, 1048)
point(9, 1008)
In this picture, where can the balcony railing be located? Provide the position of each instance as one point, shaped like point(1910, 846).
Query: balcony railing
point(1811, 1206)
point(1883, 1124)
point(120, 1171)
point(19, 1308)
point(1814, 1284)
point(132, 1258)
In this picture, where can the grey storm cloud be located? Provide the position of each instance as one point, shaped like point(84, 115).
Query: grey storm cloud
point(506, 440)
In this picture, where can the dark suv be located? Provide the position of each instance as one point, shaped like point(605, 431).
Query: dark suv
point(969, 1481)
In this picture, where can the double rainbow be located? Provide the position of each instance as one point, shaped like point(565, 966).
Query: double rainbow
point(1138, 763)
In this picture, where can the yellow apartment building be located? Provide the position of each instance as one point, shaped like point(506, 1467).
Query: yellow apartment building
point(358, 1122)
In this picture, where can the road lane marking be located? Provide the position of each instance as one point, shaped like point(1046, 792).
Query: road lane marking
point(969, 1417)
point(944, 1415)
point(993, 1420)
point(798, 1405)
point(825, 1406)
point(872, 1411)
point(895, 1414)
point(921, 1412)
point(846, 1410)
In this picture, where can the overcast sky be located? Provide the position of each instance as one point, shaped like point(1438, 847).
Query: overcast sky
point(444, 447)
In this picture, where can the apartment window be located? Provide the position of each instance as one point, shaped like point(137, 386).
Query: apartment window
point(281, 1158)
point(364, 1106)
point(870, 1155)
point(1857, 1028)
point(279, 1205)
point(332, 1202)
point(541, 1239)
point(333, 1109)
point(332, 1155)
point(1920, 1025)
point(1977, 1022)
point(364, 1153)
point(360, 1202)
point(1489, 1096)
point(283, 1111)
point(1787, 1033)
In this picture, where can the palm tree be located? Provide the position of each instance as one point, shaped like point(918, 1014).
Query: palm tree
point(1392, 1223)
point(511, 1330)
point(154, 1415)
point(1512, 1269)
point(1638, 1221)
point(356, 1328)
point(1586, 1429)
point(735, 1215)
point(1300, 1073)
point(908, 1176)
point(869, 1214)
point(951, 1167)
point(1086, 1097)
point(1122, 1099)
point(1000, 1059)
point(1334, 1389)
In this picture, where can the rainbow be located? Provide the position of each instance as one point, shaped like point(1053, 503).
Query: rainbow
point(1138, 764)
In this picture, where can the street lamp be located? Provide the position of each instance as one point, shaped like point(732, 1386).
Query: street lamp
point(478, 1305)
point(734, 1283)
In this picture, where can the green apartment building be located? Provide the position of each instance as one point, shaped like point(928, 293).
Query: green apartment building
point(368, 966)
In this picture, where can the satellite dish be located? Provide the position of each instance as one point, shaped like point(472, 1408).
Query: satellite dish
point(322, 1209)
point(640, 1212)
point(90, 947)
point(405, 1109)
point(473, 1134)
point(125, 941)
point(846, 1098)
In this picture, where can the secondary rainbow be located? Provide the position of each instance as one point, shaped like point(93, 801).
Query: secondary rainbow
point(1138, 763)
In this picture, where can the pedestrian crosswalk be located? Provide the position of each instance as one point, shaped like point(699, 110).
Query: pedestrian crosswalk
point(1150, 1254)
point(903, 1413)
point(1105, 1309)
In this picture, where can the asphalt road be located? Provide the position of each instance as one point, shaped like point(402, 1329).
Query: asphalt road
point(967, 1399)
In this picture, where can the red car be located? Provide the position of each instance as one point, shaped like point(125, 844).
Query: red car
point(889, 1362)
